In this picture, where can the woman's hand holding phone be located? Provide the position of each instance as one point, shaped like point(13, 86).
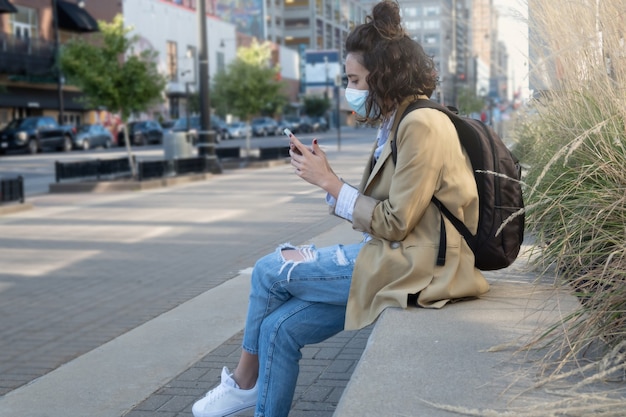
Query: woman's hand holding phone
point(312, 166)
point(292, 147)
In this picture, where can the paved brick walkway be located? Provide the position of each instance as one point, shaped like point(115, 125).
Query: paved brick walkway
point(325, 369)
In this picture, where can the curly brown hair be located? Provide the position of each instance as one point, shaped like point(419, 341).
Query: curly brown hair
point(398, 66)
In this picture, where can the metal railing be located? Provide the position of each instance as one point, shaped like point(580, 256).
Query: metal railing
point(97, 168)
point(25, 56)
point(11, 190)
point(273, 153)
point(191, 165)
point(152, 169)
point(111, 168)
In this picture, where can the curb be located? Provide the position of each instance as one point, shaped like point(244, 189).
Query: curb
point(111, 186)
point(14, 208)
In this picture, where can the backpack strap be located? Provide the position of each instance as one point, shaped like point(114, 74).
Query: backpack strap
point(441, 253)
point(458, 224)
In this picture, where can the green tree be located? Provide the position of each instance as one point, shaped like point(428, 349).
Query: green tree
point(469, 102)
point(316, 105)
point(110, 75)
point(249, 86)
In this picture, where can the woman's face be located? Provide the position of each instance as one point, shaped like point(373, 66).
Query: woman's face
point(356, 73)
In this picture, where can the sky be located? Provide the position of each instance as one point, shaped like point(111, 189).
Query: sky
point(513, 31)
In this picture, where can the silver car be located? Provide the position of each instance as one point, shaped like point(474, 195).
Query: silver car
point(92, 136)
point(238, 130)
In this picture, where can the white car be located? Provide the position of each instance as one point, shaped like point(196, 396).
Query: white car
point(238, 130)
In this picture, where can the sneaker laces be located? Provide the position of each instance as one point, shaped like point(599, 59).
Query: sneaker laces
point(217, 393)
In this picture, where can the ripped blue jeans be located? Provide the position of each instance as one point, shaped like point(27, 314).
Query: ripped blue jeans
point(293, 304)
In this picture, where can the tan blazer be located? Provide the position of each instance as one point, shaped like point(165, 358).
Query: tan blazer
point(394, 207)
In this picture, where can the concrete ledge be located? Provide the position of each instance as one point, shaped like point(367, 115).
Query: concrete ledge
point(14, 208)
point(123, 185)
point(437, 363)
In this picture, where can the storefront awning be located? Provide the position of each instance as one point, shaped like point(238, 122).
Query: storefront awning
point(74, 18)
point(35, 98)
point(6, 7)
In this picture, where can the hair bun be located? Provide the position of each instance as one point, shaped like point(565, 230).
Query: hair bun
point(386, 19)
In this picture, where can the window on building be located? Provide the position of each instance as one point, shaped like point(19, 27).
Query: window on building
point(431, 10)
point(413, 25)
point(220, 61)
point(192, 58)
point(174, 108)
point(24, 23)
point(411, 12)
point(319, 28)
point(329, 37)
point(299, 22)
point(172, 60)
point(431, 38)
point(431, 24)
point(296, 3)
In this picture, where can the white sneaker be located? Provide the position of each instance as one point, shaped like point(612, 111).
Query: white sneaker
point(226, 399)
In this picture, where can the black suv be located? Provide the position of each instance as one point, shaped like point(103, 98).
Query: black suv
point(142, 133)
point(36, 133)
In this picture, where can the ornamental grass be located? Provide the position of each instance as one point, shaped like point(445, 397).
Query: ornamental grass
point(573, 141)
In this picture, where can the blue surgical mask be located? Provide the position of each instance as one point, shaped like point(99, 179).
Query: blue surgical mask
point(356, 100)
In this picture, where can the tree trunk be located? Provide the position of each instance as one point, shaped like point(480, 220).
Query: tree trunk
point(131, 162)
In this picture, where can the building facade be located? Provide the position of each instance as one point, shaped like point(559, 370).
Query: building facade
point(30, 83)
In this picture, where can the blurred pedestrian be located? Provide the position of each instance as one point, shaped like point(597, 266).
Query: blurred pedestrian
point(304, 295)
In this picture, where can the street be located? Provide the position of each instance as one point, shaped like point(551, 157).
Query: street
point(38, 170)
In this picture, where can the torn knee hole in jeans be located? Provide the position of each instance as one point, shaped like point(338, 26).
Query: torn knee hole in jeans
point(307, 253)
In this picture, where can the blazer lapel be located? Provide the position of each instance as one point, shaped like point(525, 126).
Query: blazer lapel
point(386, 151)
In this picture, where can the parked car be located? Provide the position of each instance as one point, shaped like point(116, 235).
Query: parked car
point(300, 124)
point(306, 124)
point(238, 130)
point(142, 132)
point(34, 134)
point(92, 136)
point(217, 124)
point(167, 125)
point(319, 124)
point(285, 124)
point(220, 127)
point(264, 126)
point(294, 122)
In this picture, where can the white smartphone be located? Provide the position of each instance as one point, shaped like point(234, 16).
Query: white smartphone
point(290, 134)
